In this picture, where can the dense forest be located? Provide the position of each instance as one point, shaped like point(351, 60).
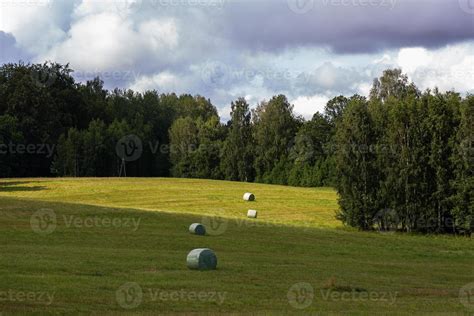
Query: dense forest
point(401, 159)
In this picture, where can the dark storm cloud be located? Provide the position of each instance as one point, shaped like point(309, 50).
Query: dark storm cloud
point(347, 26)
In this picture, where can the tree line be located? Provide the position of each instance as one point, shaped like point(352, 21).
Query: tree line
point(400, 159)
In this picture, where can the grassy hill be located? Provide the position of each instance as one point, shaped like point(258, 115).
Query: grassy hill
point(120, 245)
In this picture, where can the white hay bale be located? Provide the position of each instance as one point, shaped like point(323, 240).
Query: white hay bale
point(197, 229)
point(252, 214)
point(249, 197)
point(202, 259)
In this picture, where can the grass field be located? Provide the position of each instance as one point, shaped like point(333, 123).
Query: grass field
point(120, 246)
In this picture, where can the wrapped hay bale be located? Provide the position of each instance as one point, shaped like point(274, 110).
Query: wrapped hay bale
point(249, 197)
point(197, 229)
point(202, 259)
point(252, 214)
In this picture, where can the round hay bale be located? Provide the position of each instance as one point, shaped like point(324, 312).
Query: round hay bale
point(249, 197)
point(197, 229)
point(252, 214)
point(202, 259)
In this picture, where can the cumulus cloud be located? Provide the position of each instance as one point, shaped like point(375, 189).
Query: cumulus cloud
point(449, 68)
point(37, 25)
point(115, 44)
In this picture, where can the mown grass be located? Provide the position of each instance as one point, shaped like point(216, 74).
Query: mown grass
point(309, 207)
point(84, 264)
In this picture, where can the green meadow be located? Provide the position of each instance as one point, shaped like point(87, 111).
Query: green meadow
point(120, 246)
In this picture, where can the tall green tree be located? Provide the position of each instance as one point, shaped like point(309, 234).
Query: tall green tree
point(358, 177)
point(463, 161)
point(184, 140)
point(237, 156)
point(275, 126)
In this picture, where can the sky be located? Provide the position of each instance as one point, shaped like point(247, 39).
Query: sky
point(309, 50)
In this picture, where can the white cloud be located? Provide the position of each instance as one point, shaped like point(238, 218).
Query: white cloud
point(32, 24)
point(308, 106)
point(118, 7)
point(448, 68)
point(159, 34)
point(105, 41)
point(162, 82)
point(412, 58)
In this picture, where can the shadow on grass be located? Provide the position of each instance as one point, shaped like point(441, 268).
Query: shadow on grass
point(19, 186)
point(21, 189)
